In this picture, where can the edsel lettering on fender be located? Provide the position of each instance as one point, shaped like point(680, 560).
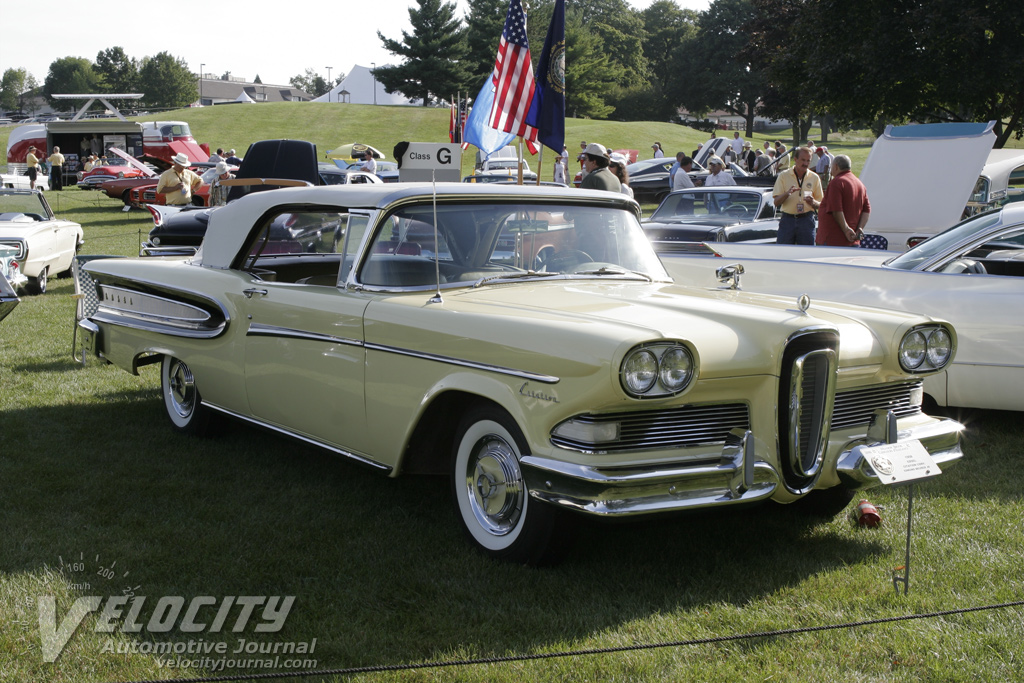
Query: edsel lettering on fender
point(527, 343)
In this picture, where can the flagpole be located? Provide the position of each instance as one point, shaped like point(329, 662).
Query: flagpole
point(540, 164)
point(519, 177)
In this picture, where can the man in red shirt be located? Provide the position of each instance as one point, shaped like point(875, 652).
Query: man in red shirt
point(845, 209)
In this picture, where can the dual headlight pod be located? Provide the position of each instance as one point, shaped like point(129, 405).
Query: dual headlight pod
point(657, 369)
point(926, 348)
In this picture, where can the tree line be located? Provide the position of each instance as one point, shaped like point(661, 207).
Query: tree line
point(846, 64)
point(164, 80)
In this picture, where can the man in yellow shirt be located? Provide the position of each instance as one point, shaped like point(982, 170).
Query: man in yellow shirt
point(797, 193)
point(32, 170)
point(56, 169)
point(178, 183)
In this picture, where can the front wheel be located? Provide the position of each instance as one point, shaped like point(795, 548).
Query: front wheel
point(490, 494)
point(825, 503)
point(182, 401)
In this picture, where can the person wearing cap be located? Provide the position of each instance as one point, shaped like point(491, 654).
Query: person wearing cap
point(797, 194)
point(596, 164)
point(845, 208)
point(232, 159)
point(219, 192)
point(658, 154)
point(56, 169)
point(718, 176)
point(561, 171)
point(617, 165)
point(178, 183)
point(748, 157)
point(31, 167)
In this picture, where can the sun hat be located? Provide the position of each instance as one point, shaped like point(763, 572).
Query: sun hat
point(181, 159)
point(617, 158)
point(596, 149)
point(222, 168)
point(746, 143)
point(231, 152)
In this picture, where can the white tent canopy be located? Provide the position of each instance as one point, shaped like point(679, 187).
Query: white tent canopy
point(359, 86)
point(242, 97)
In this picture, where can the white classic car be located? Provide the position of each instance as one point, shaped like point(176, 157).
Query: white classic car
point(971, 274)
point(10, 279)
point(45, 245)
point(527, 343)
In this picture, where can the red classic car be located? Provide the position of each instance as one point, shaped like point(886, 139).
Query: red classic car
point(107, 170)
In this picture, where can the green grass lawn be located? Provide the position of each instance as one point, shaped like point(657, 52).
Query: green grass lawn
point(91, 472)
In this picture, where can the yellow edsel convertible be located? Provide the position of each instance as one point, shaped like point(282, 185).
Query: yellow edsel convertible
point(526, 342)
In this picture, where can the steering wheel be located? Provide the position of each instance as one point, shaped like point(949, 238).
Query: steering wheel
point(736, 210)
point(552, 261)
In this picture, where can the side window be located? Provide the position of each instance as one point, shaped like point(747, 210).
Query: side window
point(355, 229)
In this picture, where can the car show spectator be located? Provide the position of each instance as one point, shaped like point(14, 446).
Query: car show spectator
point(736, 143)
point(178, 183)
point(682, 177)
point(823, 166)
point(761, 161)
point(718, 177)
point(596, 164)
point(233, 159)
point(780, 151)
point(219, 192)
point(96, 145)
point(56, 169)
point(618, 163)
point(83, 148)
point(90, 162)
point(845, 209)
point(797, 194)
point(217, 156)
point(560, 171)
point(675, 167)
point(748, 157)
point(369, 164)
point(658, 153)
point(32, 167)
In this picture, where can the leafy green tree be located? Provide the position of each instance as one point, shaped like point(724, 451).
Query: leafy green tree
point(11, 88)
point(120, 73)
point(484, 23)
point(667, 29)
point(589, 71)
point(943, 60)
point(257, 80)
point(620, 30)
point(713, 71)
point(70, 75)
point(312, 82)
point(434, 54)
point(166, 81)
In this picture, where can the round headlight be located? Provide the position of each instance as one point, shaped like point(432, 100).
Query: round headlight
point(640, 371)
point(676, 369)
point(913, 349)
point(940, 346)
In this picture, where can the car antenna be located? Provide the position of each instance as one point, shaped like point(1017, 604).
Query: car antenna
point(436, 299)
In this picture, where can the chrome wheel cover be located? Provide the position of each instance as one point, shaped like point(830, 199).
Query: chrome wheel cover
point(495, 485)
point(181, 389)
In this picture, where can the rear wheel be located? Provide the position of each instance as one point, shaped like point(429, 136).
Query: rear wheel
point(37, 285)
point(490, 494)
point(182, 400)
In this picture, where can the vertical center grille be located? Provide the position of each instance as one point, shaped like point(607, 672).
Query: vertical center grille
point(807, 396)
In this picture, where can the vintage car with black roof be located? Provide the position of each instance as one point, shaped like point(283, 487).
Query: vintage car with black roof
point(713, 214)
point(527, 343)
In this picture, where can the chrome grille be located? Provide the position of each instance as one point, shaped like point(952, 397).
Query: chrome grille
point(683, 427)
point(856, 407)
point(806, 396)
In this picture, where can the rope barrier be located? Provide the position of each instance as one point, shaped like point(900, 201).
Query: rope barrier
point(588, 652)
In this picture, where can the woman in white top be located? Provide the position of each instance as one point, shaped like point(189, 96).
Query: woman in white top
point(618, 168)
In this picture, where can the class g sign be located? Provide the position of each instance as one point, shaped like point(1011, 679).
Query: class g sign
point(427, 161)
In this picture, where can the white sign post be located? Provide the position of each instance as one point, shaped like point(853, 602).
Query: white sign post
point(427, 161)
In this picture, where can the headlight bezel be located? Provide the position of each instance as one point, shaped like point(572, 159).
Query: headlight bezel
point(670, 357)
point(936, 347)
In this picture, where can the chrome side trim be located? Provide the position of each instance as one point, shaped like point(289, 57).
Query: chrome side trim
point(361, 459)
point(523, 374)
point(260, 330)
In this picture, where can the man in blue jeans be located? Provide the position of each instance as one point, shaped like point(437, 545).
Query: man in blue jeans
point(797, 195)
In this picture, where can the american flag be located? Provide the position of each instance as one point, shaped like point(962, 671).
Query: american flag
point(513, 77)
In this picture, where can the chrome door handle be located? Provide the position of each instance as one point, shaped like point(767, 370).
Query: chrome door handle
point(250, 293)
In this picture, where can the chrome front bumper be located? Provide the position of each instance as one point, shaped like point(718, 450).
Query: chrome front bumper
point(737, 477)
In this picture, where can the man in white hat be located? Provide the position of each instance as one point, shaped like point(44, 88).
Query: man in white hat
point(178, 183)
point(596, 164)
point(718, 177)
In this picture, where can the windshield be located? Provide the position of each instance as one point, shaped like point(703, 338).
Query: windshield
point(22, 207)
point(697, 206)
point(495, 242)
point(939, 244)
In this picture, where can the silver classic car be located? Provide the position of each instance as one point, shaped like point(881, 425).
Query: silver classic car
point(527, 343)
